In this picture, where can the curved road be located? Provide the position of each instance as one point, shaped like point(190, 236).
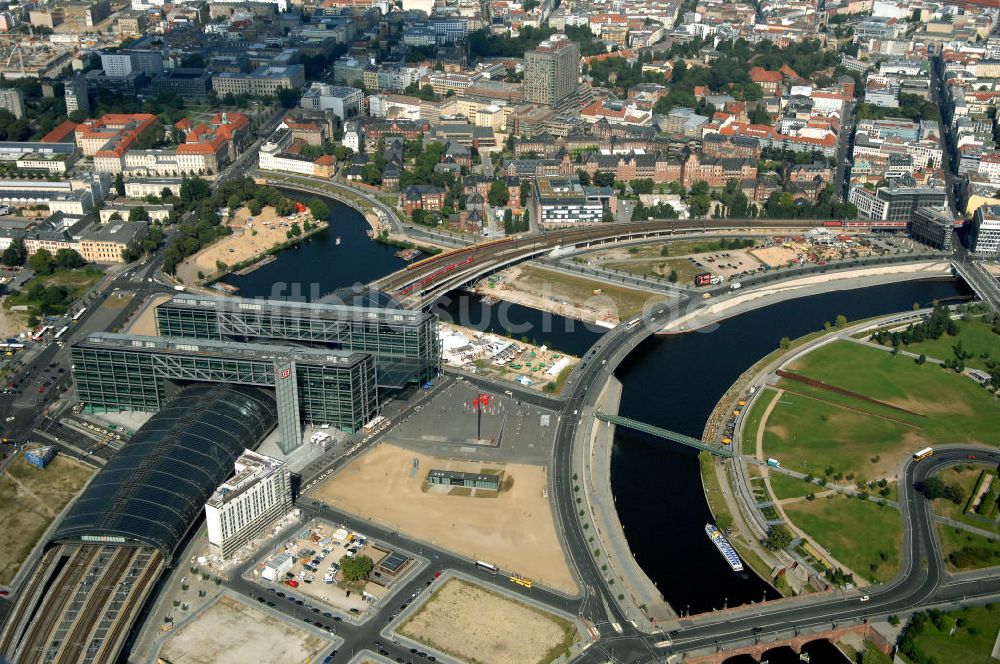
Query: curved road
point(919, 582)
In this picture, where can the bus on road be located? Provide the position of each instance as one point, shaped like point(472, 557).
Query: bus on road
point(522, 581)
point(923, 454)
point(492, 569)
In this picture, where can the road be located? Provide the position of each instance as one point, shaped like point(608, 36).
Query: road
point(948, 163)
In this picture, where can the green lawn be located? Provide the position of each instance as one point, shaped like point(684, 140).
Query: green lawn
point(789, 487)
point(753, 418)
point(76, 283)
point(976, 337)
point(858, 533)
point(972, 642)
point(861, 438)
point(808, 435)
point(953, 540)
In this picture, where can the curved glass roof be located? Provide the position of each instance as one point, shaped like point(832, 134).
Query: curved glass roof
point(156, 486)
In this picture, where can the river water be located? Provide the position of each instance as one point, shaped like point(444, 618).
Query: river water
point(669, 381)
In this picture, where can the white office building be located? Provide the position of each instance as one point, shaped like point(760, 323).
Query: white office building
point(259, 493)
point(986, 230)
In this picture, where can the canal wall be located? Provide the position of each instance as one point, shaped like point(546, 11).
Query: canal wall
point(739, 302)
point(637, 596)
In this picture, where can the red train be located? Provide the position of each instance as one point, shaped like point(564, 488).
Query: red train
point(865, 224)
point(437, 273)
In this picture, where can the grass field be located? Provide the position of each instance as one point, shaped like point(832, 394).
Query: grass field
point(862, 535)
point(955, 539)
point(29, 501)
point(76, 283)
point(790, 487)
point(809, 436)
point(972, 641)
point(753, 418)
point(867, 440)
point(976, 337)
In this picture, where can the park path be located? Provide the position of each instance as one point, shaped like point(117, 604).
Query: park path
point(858, 579)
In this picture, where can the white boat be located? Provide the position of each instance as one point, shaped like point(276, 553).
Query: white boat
point(724, 547)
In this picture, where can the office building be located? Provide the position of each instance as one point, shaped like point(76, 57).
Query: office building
point(563, 201)
point(121, 372)
point(123, 63)
point(11, 100)
point(191, 85)
point(895, 203)
point(265, 81)
point(344, 101)
point(76, 95)
point(551, 71)
point(985, 237)
point(405, 343)
point(259, 493)
point(112, 242)
point(933, 227)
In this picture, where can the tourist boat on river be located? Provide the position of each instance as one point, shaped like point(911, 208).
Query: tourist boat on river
point(724, 547)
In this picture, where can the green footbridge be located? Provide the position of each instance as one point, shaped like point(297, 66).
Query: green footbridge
point(618, 420)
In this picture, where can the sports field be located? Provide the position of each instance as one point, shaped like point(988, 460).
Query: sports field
point(864, 536)
point(888, 406)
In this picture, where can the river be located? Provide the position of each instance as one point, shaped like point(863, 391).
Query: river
point(669, 381)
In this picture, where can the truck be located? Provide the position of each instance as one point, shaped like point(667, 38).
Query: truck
point(773, 463)
point(180, 289)
point(735, 285)
point(703, 279)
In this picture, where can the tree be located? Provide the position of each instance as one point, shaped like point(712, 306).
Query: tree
point(932, 488)
point(785, 343)
point(15, 253)
point(318, 208)
point(68, 259)
point(498, 194)
point(841, 321)
point(584, 177)
point(41, 262)
point(287, 97)
point(119, 184)
point(673, 276)
point(138, 214)
point(778, 537)
point(356, 569)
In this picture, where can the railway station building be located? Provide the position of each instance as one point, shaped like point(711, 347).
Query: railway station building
point(119, 372)
point(404, 342)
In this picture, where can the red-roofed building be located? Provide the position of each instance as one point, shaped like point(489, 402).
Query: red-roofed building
point(769, 81)
point(62, 133)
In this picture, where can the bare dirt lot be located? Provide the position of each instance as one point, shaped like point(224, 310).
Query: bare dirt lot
point(30, 499)
point(231, 632)
point(514, 530)
point(265, 231)
point(478, 625)
point(774, 256)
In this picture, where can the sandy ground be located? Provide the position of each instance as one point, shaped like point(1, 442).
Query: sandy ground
point(231, 632)
point(145, 321)
point(12, 323)
point(719, 307)
point(774, 256)
point(514, 530)
point(470, 623)
point(243, 244)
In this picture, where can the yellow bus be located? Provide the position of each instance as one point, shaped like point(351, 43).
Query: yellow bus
point(923, 454)
point(522, 580)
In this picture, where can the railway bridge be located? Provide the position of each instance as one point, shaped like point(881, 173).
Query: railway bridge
point(796, 642)
point(424, 281)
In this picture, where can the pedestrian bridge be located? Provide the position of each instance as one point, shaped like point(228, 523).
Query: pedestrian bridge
point(618, 420)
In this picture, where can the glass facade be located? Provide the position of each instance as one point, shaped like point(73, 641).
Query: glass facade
point(404, 342)
point(125, 372)
point(156, 486)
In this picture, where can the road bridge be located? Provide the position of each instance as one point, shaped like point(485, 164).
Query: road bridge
point(984, 284)
point(666, 434)
point(424, 281)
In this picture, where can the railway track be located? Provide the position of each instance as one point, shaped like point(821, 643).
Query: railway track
point(430, 273)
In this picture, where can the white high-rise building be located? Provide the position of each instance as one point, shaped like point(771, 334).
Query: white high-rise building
point(256, 495)
point(986, 230)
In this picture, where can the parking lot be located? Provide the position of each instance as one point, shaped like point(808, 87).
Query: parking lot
point(306, 571)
